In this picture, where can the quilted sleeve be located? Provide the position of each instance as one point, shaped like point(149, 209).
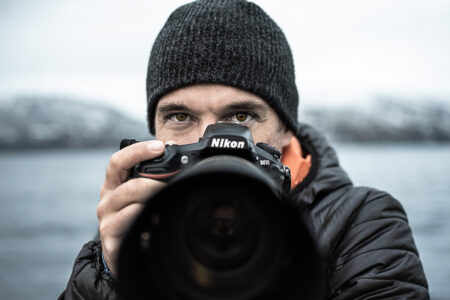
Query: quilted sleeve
point(88, 279)
point(376, 257)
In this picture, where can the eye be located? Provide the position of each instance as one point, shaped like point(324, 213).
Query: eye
point(179, 117)
point(240, 117)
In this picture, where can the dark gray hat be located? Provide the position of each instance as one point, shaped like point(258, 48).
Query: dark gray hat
point(230, 42)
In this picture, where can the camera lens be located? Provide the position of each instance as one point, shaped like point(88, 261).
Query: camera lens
point(220, 229)
point(224, 221)
point(222, 232)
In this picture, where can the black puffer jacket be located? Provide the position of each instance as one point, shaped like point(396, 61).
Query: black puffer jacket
point(362, 233)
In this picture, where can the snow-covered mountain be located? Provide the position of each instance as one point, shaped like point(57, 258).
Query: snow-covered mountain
point(384, 120)
point(39, 122)
point(30, 122)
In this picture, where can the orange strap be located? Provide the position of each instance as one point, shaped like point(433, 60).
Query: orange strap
point(293, 158)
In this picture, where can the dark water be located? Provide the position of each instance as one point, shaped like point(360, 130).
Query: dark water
point(48, 201)
point(418, 176)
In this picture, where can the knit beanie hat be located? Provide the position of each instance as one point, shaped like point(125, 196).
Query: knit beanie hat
point(230, 42)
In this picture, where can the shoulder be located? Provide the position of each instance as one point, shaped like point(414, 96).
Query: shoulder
point(362, 233)
point(352, 208)
point(368, 245)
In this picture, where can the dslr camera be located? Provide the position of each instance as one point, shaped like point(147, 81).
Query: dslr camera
point(222, 228)
point(218, 139)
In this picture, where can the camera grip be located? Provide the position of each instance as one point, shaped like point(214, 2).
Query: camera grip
point(158, 176)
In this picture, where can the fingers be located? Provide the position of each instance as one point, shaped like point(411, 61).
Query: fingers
point(121, 199)
point(117, 210)
point(122, 161)
point(115, 225)
point(137, 190)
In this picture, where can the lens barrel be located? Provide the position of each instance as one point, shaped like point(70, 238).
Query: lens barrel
point(221, 230)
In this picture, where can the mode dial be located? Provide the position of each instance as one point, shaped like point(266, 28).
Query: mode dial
point(272, 150)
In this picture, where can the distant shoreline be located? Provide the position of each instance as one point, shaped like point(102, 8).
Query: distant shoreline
point(52, 123)
point(336, 145)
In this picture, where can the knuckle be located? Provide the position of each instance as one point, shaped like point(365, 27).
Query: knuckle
point(106, 227)
point(114, 161)
point(102, 229)
point(100, 210)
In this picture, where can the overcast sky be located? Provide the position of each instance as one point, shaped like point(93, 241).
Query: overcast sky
point(345, 51)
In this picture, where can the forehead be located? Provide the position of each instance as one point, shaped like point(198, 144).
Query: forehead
point(209, 97)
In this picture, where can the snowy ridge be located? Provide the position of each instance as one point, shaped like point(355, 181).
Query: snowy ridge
point(384, 120)
point(40, 122)
point(35, 122)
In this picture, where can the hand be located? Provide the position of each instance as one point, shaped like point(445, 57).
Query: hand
point(122, 200)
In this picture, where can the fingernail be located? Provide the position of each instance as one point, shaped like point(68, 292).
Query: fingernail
point(155, 146)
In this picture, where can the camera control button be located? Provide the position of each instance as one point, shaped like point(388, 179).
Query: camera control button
point(162, 157)
point(272, 150)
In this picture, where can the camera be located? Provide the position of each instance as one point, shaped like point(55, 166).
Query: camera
point(223, 227)
point(218, 139)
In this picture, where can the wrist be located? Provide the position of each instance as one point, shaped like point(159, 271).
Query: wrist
point(105, 267)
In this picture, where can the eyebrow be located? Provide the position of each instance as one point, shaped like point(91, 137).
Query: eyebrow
point(166, 108)
point(240, 105)
point(246, 105)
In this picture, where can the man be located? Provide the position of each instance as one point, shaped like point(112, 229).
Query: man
point(226, 60)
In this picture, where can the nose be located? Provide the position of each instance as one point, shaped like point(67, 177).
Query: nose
point(205, 123)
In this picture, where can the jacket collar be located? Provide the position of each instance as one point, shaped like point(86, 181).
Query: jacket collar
point(326, 175)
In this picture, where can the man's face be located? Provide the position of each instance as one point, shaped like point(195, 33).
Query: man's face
point(183, 115)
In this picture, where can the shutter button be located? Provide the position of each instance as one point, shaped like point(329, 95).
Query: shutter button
point(160, 159)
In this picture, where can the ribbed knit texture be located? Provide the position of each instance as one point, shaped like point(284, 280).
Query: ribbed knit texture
point(230, 42)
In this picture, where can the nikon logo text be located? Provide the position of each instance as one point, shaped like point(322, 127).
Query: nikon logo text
point(226, 143)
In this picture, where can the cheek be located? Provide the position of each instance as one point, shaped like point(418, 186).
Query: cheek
point(268, 135)
point(177, 137)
